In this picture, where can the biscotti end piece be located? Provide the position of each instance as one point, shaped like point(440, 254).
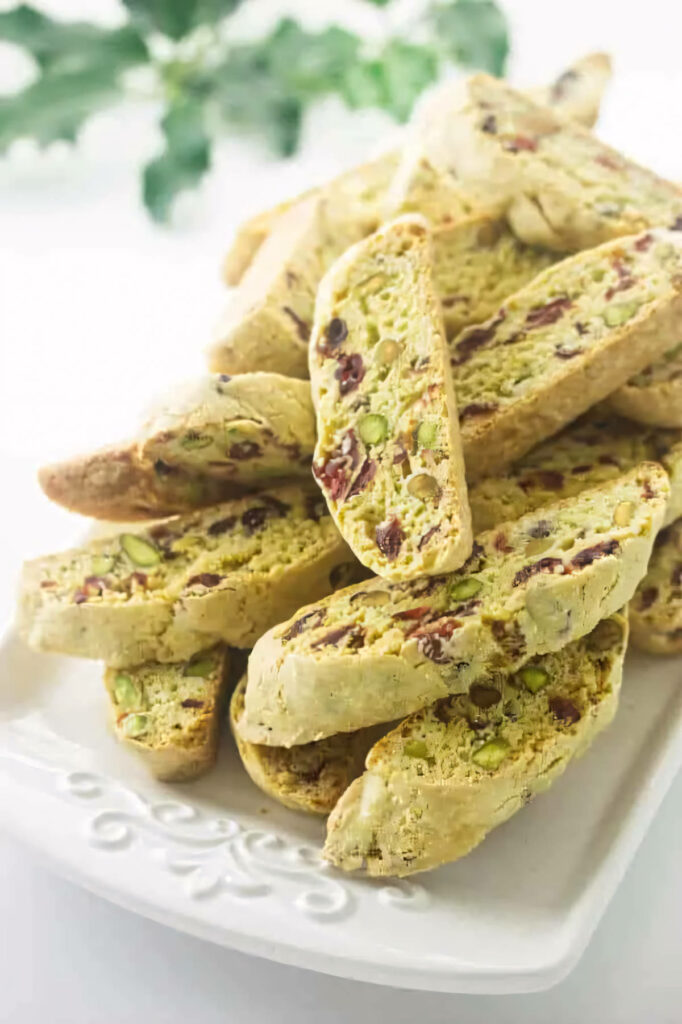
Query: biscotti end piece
point(437, 784)
point(378, 651)
point(248, 431)
point(598, 447)
point(654, 396)
point(163, 593)
point(310, 777)
point(170, 714)
point(114, 483)
point(388, 457)
point(563, 343)
point(248, 239)
point(656, 609)
point(578, 91)
point(266, 324)
point(558, 185)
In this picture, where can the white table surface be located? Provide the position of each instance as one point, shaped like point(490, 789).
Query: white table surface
point(98, 308)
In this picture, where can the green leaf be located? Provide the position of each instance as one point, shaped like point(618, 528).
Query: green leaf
point(473, 33)
point(61, 46)
point(55, 105)
point(184, 160)
point(379, 3)
point(309, 64)
point(393, 81)
point(177, 18)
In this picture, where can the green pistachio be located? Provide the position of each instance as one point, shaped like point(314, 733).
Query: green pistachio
point(140, 551)
point(462, 590)
point(427, 434)
point(126, 693)
point(135, 725)
point(201, 667)
point(416, 748)
point(423, 486)
point(534, 677)
point(102, 564)
point(620, 313)
point(192, 441)
point(491, 754)
point(373, 428)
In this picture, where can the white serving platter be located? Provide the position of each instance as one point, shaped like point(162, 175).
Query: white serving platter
point(221, 861)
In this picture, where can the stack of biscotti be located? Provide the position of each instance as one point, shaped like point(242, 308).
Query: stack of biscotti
point(430, 543)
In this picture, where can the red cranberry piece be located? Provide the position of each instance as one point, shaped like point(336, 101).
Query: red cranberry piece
point(389, 537)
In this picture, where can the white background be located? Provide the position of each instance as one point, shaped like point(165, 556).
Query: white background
point(98, 309)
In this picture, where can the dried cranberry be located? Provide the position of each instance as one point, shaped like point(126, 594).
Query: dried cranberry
point(221, 526)
point(549, 313)
point(424, 540)
point(564, 709)
point(567, 353)
point(608, 460)
point(521, 143)
point(244, 450)
point(490, 125)
point(647, 597)
point(510, 638)
point(550, 479)
point(590, 555)
point(190, 702)
point(254, 518)
point(478, 409)
point(611, 162)
point(410, 614)
point(644, 243)
point(676, 575)
point(400, 456)
point(483, 696)
point(302, 328)
point(543, 565)
point(625, 280)
point(349, 373)
point(430, 641)
point(139, 577)
point(562, 84)
point(204, 579)
point(472, 340)
point(389, 538)
point(315, 507)
point(79, 596)
point(500, 543)
point(355, 635)
point(335, 473)
point(311, 620)
point(647, 491)
point(336, 331)
point(364, 477)
point(676, 224)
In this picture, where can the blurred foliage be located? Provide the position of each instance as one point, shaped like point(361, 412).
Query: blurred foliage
point(209, 86)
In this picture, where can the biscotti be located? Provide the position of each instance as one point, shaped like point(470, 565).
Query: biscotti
point(114, 483)
point(564, 342)
point(166, 592)
point(388, 457)
point(598, 447)
point(170, 714)
point(378, 651)
point(656, 609)
point(442, 780)
point(654, 396)
point(209, 440)
point(266, 325)
point(310, 777)
point(578, 91)
point(357, 192)
point(557, 184)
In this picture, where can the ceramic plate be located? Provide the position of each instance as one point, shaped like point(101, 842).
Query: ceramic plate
point(220, 860)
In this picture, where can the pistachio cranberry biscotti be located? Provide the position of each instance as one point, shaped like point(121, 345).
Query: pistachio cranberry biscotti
point(378, 651)
point(358, 192)
point(656, 609)
point(388, 457)
point(654, 396)
point(445, 777)
point(163, 593)
point(598, 447)
point(556, 183)
point(309, 777)
point(578, 91)
point(564, 342)
point(170, 714)
point(211, 439)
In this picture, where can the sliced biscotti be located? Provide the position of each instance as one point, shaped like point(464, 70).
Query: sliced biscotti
point(654, 396)
point(378, 651)
point(558, 185)
point(266, 325)
point(310, 777)
point(656, 609)
point(166, 592)
point(578, 91)
point(477, 263)
point(170, 714)
point(442, 780)
point(212, 439)
point(115, 483)
point(357, 192)
point(564, 342)
point(388, 457)
point(598, 447)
